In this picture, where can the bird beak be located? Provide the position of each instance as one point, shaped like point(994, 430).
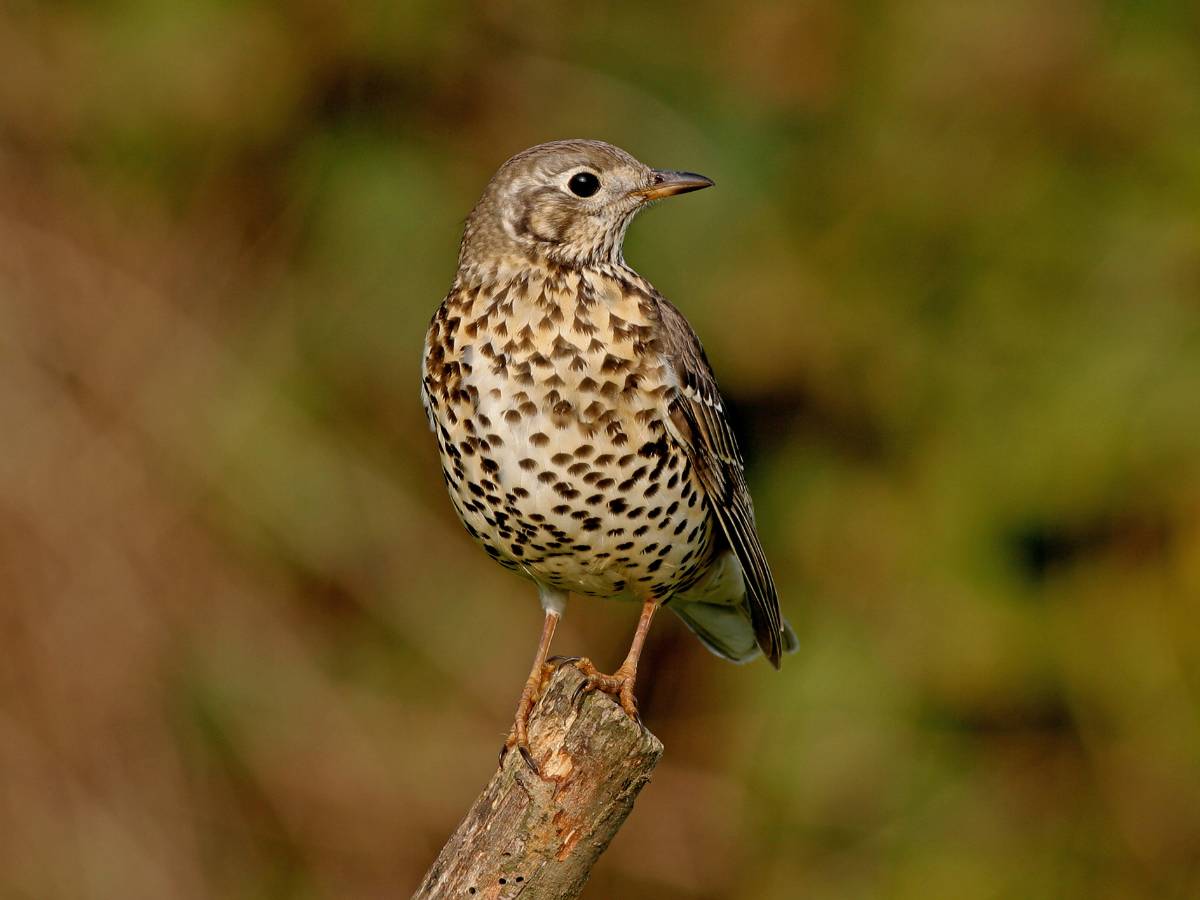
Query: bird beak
point(668, 184)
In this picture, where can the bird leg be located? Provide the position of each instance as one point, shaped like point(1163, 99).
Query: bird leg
point(538, 675)
point(620, 683)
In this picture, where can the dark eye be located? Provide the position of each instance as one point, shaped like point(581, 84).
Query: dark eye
point(583, 184)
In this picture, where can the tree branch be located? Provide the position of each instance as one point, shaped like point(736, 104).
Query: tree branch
point(537, 838)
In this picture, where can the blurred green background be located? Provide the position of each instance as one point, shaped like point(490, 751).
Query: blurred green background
point(950, 282)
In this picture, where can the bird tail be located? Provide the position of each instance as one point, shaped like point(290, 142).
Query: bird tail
point(726, 630)
point(715, 609)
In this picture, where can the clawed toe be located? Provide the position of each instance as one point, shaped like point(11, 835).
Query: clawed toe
point(519, 736)
point(585, 687)
point(523, 749)
point(618, 685)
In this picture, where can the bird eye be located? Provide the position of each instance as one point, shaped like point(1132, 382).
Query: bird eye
point(583, 184)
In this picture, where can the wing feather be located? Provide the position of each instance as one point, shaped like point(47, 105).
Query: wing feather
point(696, 416)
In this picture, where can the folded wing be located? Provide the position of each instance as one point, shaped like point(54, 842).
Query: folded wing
point(696, 418)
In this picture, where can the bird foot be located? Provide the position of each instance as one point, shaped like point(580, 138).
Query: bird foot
point(518, 738)
point(619, 685)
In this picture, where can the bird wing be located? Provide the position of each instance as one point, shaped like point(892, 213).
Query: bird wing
point(696, 418)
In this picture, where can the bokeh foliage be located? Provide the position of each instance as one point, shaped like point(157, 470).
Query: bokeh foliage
point(949, 278)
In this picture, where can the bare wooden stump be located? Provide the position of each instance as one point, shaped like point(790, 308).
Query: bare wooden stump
point(537, 838)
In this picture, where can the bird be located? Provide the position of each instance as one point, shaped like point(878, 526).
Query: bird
point(582, 436)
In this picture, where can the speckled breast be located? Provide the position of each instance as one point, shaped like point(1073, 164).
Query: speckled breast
point(546, 393)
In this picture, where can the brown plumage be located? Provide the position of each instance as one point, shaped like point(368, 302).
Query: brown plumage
point(583, 438)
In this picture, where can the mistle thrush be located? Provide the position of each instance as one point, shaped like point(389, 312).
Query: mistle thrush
point(583, 438)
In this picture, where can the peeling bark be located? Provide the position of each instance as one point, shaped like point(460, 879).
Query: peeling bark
point(537, 838)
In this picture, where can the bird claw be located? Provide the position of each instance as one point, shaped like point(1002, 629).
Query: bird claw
point(519, 736)
point(526, 755)
point(618, 685)
point(529, 760)
point(584, 687)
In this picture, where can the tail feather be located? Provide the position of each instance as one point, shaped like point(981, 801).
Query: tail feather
point(716, 610)
point(726, 630)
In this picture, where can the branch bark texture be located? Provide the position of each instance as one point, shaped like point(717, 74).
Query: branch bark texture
point(537, 837)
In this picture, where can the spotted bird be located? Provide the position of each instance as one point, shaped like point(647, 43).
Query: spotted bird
point(583, 439)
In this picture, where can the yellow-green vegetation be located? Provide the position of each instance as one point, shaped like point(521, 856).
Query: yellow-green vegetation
point(949, 279)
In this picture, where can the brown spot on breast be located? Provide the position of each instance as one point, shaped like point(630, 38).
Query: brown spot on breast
point(563, 348)
point(613, 364)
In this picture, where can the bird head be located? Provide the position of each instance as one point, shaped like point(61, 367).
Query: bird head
point(567, 202)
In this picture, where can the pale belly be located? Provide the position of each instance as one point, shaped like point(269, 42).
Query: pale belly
point(606, 511)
